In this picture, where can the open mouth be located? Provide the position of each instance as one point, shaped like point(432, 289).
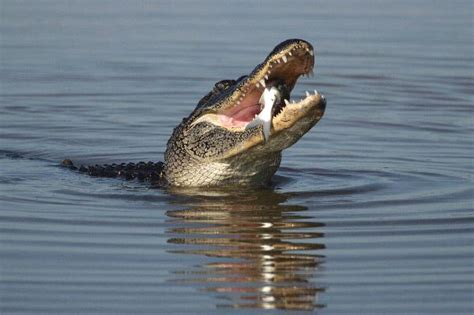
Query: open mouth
point(282, 68)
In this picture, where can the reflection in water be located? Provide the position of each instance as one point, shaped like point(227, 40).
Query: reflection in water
point(260, 252)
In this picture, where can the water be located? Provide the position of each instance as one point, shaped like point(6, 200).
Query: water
point(370, 213)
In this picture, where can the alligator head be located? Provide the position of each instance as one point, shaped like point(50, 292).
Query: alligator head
point(213, 146)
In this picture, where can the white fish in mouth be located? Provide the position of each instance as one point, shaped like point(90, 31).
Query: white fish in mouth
point(269, 98)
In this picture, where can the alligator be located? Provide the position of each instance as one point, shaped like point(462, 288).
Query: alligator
point(213, 147)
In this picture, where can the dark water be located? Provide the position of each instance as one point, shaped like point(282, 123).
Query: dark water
point(370, 213)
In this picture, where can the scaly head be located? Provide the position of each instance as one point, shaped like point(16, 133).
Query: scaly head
point(213, 142)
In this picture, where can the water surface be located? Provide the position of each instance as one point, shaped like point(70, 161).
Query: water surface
point(370, 213)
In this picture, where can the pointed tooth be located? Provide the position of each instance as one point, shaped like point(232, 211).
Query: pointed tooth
point(311, 53)
point(293, 102)
point(307, 93)
point(262, 82)
point(285, 60)
point(268, 72)
point(257, 85)
point(278, 60)
point(286, 102)
point(290, 53)
point(266, 77)
point(316, 92)
point(311, 72)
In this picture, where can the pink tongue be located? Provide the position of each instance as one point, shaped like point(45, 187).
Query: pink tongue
point(241, 118)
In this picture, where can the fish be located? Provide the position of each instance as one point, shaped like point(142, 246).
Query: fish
point(270, 97)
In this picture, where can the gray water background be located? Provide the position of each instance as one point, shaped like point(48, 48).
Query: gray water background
point(370, 212)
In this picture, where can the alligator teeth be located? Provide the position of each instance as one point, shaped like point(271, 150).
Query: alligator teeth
point(285, 60)
point(266, 77)
point(307, 94)
point(257, 85)
point(316, 92)
point(289, 53)
point(262, 82)
point(286, 102)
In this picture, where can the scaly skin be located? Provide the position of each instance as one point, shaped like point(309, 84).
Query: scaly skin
point(212, 147)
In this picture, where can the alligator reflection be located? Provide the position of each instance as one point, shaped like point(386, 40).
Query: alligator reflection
point(260, 252)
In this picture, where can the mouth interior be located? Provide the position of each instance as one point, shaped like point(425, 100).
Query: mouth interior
point(283, 69)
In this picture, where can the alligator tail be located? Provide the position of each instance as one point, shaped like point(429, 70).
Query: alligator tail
point(143, 171)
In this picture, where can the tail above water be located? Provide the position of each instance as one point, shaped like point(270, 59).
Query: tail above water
point(143, 171)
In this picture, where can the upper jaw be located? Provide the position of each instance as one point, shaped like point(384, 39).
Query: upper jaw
point(286, 63)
